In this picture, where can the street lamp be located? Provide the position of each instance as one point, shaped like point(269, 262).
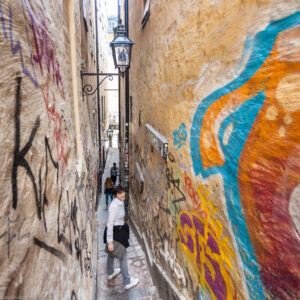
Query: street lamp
point(121, 50)
point(109, 133)
point(121, 46)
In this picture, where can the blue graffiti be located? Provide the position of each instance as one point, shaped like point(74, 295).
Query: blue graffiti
point(248, 46)
point(16, 46)
point(179, 136)
point(242, 120)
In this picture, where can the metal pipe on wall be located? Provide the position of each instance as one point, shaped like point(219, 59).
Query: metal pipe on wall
point(127, 108)
point(119, 92)
point(99, 185)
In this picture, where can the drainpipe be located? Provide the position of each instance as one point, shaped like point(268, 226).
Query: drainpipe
point(120, 115)
point(127, 108)
point(99, 185)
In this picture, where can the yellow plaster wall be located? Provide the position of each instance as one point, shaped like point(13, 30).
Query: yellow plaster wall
point(219, 214)
point(48, 168)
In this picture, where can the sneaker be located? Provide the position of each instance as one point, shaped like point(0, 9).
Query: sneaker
point(133, 282)
point(115, 274)
point(106, 208)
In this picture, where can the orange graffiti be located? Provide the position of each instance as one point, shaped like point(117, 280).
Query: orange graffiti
point(269, 164)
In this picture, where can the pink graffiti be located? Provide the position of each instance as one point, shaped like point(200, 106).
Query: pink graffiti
point(44, 49)
point(182, 164)
point(43, 46)
point(53, 115)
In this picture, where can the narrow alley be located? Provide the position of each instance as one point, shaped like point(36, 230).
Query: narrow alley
point(114, 289)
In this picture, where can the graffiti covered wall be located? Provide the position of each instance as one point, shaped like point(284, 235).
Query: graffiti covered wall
point(46, 214)
point(222, 212)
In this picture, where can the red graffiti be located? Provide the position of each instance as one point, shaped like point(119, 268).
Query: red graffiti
point(194, 195)
point(60, 138)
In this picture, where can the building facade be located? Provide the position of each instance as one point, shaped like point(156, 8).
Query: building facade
point(49, 151)
point(214, 139)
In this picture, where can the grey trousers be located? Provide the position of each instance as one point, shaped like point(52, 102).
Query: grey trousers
point(123, 266)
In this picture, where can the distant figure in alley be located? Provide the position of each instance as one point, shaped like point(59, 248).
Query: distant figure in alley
point(108, 190)
point(114, 172)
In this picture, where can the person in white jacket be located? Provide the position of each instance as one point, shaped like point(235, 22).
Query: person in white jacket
point(116, 215)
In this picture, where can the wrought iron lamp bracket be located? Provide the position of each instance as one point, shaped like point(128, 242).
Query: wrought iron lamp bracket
point(88, 89)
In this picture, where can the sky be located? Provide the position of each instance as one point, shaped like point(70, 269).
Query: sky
point(112, 7)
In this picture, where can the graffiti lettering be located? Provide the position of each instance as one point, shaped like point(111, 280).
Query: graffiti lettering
point(176, 195)
point(77, 243)
point(73, 296)
point(43, 198)
point(44, 49)
point(20, 161)
point(16, 47)
point(173, 210)
point(197, 195)
point(174, 185)
point(61, 237)
point(43, 46)
point(54, 116)
point(182, 164)
point(179, 136)
point(50, 249)
point(210, 253)
point(37, 192)
point(19, 155)
point(11, 234)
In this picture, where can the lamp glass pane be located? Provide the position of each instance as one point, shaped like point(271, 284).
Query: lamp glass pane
point(122, 55)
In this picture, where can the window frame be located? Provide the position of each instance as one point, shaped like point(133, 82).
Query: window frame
point(84, 14)
point(146, 13)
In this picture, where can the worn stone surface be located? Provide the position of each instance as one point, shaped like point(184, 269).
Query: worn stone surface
point(48, 156)
point(218, 79)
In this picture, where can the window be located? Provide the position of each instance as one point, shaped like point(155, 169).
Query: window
point(130, 119)
point(140, 118)
point(146, 13)
point(84, 14)
point(102, 108)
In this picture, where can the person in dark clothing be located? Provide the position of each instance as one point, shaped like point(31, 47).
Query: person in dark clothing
point(108, 190)
point(114, 172)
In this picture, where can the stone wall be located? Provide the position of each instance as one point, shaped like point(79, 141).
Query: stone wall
point(47, 155)
point(220, 81)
